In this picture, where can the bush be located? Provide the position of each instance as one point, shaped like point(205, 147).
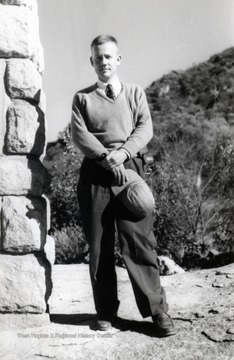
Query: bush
point(194, 167)
point(63, 163)
point(64, 173)
point(193, 113)
point(71, 247)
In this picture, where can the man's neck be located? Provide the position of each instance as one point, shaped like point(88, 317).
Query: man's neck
point(113, 81)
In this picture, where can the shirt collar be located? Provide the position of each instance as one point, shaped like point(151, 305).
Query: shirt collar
point(117, 86)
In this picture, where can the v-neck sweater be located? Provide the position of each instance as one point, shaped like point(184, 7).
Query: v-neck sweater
point(100, 124)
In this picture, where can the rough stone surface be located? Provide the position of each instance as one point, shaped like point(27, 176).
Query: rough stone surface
point(4, 103)
point(19, 33)
point(24, 223)
point(42, 103)
point(23, 79)
point(22, 281)
point(10, 321)
point(0, 224)
point(25, 129)
point(48, 213)
point(21, 176)
point(203, 318)
point(49, 249)
point(25, 279)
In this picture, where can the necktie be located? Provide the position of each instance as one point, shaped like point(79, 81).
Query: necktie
point(110, 92)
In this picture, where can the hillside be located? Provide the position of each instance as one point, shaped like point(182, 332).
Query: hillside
point(207, 89)
point(198, 100)
point(193, 117)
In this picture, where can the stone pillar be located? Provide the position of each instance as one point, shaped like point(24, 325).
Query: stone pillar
point(25, 270)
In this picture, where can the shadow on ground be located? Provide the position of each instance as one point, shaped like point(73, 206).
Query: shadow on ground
point(141, 327)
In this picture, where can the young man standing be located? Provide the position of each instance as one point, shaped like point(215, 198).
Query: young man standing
point(111, 125)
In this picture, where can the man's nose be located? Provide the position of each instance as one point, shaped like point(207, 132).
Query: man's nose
point(104, 60)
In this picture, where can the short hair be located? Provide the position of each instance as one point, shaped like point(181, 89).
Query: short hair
point(102, 39)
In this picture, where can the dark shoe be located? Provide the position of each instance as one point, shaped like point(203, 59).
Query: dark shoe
point(164, 325)
point(105, 323)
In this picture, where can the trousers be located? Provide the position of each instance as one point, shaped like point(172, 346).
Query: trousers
point(102, 215)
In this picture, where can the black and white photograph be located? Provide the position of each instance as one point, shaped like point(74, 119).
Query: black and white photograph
point(117, 179)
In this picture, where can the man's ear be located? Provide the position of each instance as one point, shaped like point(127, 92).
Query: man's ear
point(91, 60)
point(119, 57)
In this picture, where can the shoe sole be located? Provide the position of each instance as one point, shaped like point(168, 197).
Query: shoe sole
point(101, 327)
point(166, 334)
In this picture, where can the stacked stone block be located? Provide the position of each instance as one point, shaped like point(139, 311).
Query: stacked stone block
point(25, 272)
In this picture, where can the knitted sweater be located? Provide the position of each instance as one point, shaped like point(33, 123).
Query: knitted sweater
point(100, 124)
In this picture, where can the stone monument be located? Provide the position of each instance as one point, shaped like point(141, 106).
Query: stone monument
point(25, 267)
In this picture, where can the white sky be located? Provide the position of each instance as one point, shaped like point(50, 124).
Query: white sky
point(155, 37)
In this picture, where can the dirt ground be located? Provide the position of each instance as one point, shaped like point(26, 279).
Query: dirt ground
point(201, 305)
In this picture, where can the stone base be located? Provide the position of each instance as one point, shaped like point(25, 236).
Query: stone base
point(21, 321)
point(24, 284)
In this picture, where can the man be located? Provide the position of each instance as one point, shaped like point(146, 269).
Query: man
point(111, 125)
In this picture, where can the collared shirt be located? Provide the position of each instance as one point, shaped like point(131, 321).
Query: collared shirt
point(117, 86)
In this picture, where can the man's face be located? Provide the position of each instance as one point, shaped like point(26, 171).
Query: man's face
point(105, 59)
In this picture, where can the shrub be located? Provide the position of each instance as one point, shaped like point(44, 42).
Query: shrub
point(64, 173)
point(70, 244)
point(194, 167)
point(63, 164)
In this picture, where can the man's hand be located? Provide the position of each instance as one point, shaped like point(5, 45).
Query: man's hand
point(114, 159)
point(114, 163)
point(120, 175)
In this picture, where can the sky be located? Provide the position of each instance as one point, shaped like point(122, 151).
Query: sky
point(155, 37)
